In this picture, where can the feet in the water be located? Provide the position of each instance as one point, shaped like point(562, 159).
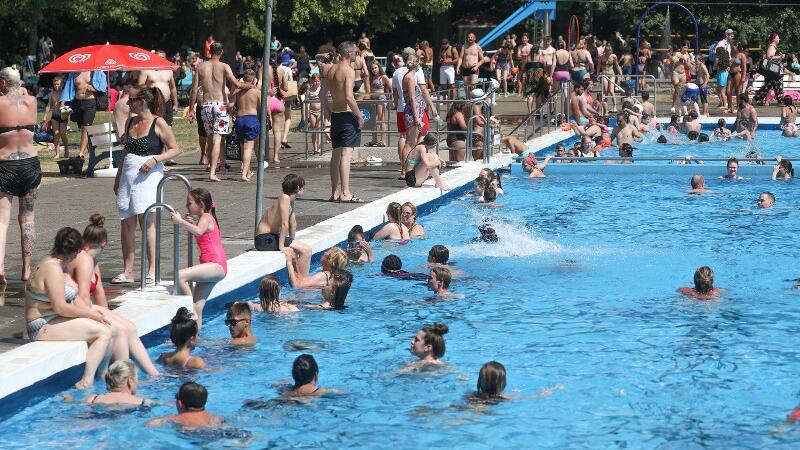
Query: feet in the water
point(83, 385)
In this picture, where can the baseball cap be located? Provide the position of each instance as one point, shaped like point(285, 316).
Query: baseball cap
point(729, 31)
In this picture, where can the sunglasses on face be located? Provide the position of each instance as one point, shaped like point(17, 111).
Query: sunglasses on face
point(234, 322)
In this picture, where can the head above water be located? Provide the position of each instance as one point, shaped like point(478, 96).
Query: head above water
point(698, 182)
point(391, 263)
point(491, 380)
point(430, 340)
point(766, 200)
point(119, 373)
point(269, 293)
point(439, 254)
point(183, 328)
point(192, 396)
point(304, 370)
point(704, 280)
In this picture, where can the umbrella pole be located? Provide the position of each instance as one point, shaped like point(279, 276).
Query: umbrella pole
point(110, 144)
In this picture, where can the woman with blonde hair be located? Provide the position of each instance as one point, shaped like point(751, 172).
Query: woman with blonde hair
point(333, 280)
point(121, 382)
point(269, 295)
point(408, 217)
point(393, 230)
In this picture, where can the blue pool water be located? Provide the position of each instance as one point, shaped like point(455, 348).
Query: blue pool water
point(577, 296)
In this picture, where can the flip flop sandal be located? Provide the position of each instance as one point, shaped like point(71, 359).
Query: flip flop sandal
point(121, 279)
point(149, 280)
point(353, 199)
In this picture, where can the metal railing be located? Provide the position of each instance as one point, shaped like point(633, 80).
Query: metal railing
point(176, 247)
point(160, 199)
point(545, 118)
point(685, 159)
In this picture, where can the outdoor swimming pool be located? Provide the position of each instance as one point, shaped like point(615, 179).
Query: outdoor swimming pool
point(577, 296)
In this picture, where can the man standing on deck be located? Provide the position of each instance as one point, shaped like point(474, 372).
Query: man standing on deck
point(211, 76)
point(79, 91)
point(346, 122)
point(165, 82)
point(248, 125)
point(547, 54)
point(448, 58)
point(469, 61)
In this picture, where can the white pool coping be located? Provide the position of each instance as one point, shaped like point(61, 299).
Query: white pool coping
point(152, 309)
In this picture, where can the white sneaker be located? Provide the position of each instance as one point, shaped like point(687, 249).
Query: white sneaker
point(266, 164)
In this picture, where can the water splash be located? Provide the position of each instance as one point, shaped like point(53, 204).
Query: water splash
point(515, 239)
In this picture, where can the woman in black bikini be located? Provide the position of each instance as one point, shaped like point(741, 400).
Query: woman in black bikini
point(122, 382)
point(456, 132)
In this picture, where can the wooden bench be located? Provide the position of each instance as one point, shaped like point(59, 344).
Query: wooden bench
point(788, 84)
point(103, 142)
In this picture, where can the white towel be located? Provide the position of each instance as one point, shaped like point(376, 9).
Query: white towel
point(137, 190)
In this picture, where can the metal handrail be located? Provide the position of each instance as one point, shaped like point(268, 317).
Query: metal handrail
point(160, 199)
point(549, 102)
point(176, 247)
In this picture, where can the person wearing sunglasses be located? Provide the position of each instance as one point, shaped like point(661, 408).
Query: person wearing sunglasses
point(238, 321)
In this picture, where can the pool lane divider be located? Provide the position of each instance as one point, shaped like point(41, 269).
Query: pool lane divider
point(37, 370)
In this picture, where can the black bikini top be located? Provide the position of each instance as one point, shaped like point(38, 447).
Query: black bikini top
point(31, 128)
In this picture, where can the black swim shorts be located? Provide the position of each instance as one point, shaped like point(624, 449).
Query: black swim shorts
point(83, 111)
point(268, 242)
point(18, 177)
point(344, 130)
point(467, 71)
point(201, 129)
point(168, 112)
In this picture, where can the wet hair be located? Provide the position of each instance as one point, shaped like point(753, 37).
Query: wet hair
point(153, 98)
point(704, 280)
point(203, 197)
point(237, 308)
point(439, 254)
point(702, 137)
point(292, 184)
point(434, 336)
point(443, 274)
point(304, 370)
point(68, 243)
point(336, 258)
point(697, 181)
point(769, 195)
point(193, 395)
point(786, 165)
point(182, 327)
point(692, 135)
point(787, 100)
point(354, 233)
point(391, 263)
point(488, 234)
point(732, 160)
point(645, 95)
point(673, 119)
point(692, 115)
point(217, 48)
point(118, 372)
point(95, 233)
point(393, 211)
point(342, 280)
point(269, 293)
point(481, 183)
point(721, 123)
point(489, 194)
point(626, 150)
point(491, 380)
point(430, 140)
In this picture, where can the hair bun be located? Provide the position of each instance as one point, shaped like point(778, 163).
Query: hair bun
point(439, 328)
point(97, 220)
point(182, 315)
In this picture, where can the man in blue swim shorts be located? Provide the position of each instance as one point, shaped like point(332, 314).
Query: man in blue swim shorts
point(722, 61)
point(248, 124)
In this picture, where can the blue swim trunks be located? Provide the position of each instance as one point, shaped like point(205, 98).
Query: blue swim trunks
point(247, 128)
point(722, 78)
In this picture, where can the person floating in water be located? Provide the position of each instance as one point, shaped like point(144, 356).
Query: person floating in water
point(191, 405)
point(491, 383)
point(703, 285)
point(488, 234)
point(239, 320)
point(392, 266)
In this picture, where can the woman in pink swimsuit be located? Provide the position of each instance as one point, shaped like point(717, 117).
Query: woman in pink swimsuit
point(213, 264)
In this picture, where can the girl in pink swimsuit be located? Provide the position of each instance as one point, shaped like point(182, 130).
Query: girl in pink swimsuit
point(213, 264)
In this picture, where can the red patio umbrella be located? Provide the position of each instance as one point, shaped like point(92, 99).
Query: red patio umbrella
point(107, 58)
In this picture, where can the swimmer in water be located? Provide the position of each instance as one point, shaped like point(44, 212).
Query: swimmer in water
point(493, 178)
point(537, 170)
point(766, 200)
point(392, 266)
point(305, 373)
point(121, 381)
point(788, 117)
point(721, 133)
point(191, 405)
point(359, 250)
point(698, 185)
point(239, 320)
point(428, 345)
point(783, 169)
point(269, 296)
point(733, 170)
point(183, 333)
point(394, 229)
point(703, 285)
point(491, 383)
point(439, 281)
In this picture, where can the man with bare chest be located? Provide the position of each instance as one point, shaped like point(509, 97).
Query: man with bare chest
point(212, 76)
point(80, 91)
point(165, 82)
point(248, 124)
point(469, 61)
